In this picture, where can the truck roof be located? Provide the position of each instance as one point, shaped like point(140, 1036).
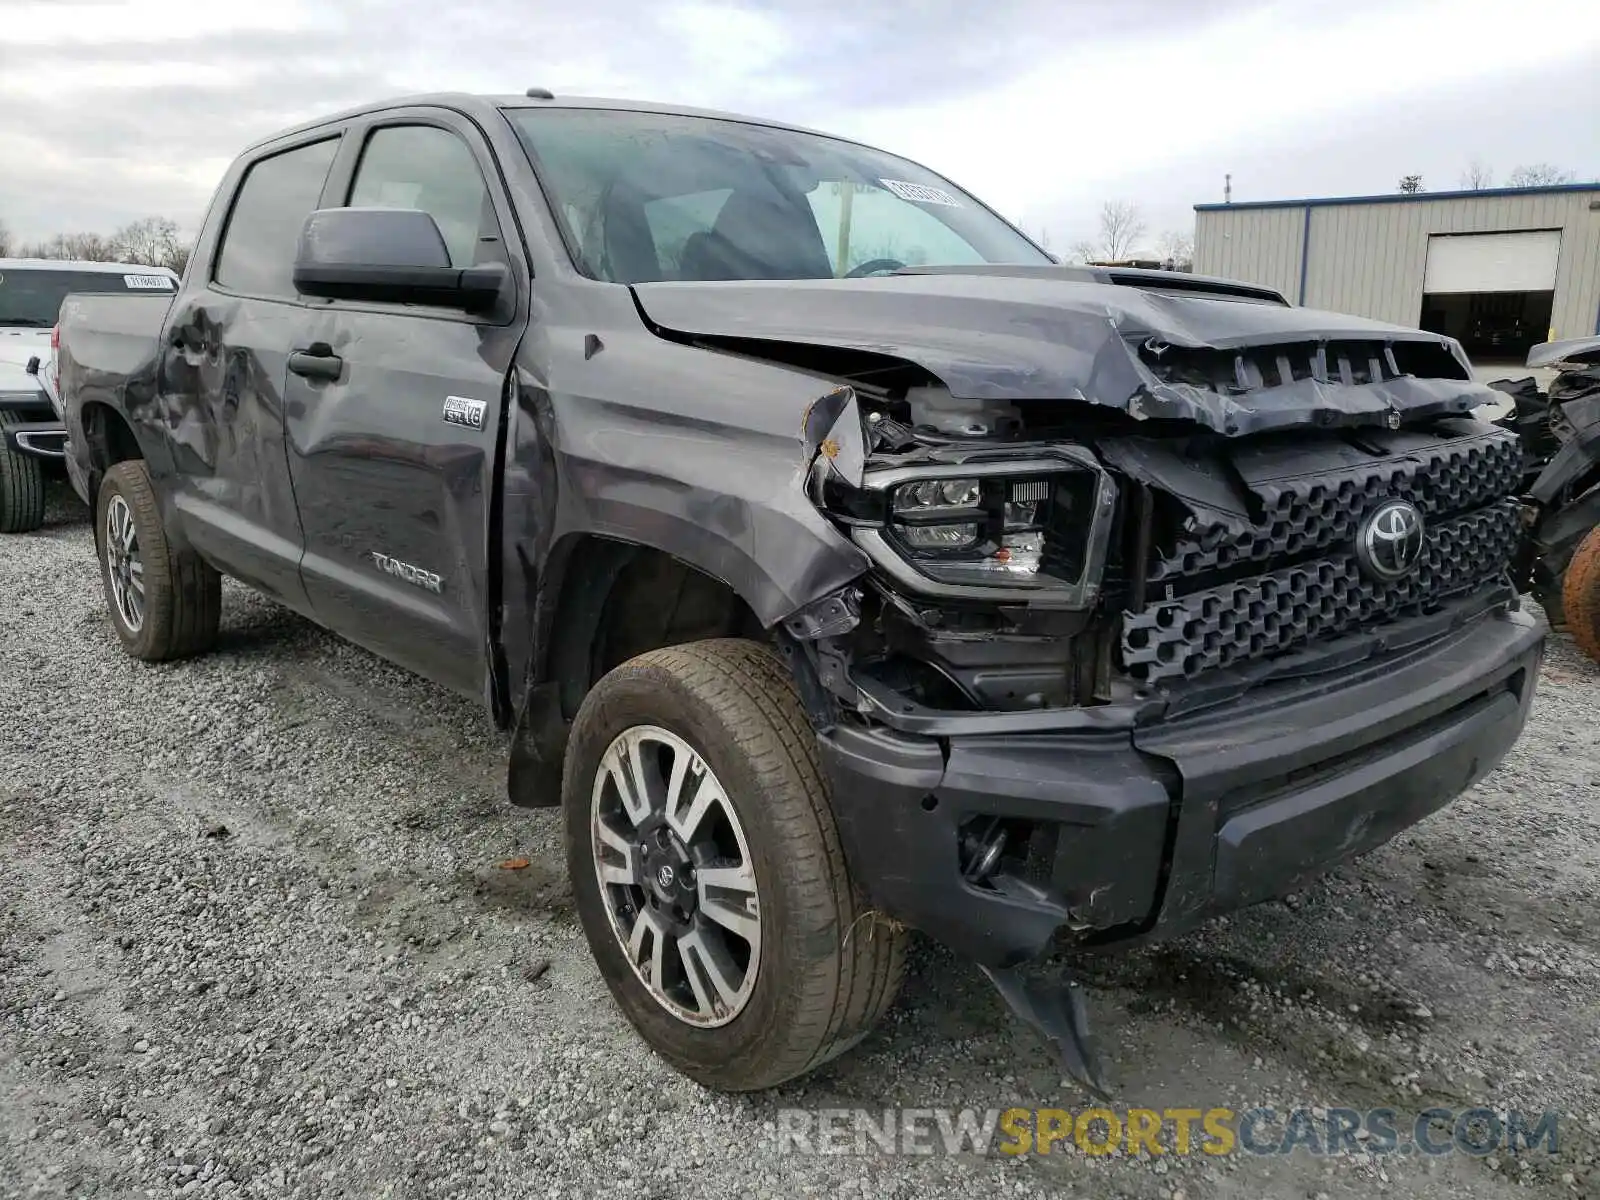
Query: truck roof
point(478, 104)
point(83, 265)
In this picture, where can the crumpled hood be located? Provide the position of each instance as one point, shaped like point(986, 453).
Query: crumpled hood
point(1584, 350)
point(993, 337)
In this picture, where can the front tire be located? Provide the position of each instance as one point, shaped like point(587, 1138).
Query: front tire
point(699, 760)
point(166, 602)
point(21, 486)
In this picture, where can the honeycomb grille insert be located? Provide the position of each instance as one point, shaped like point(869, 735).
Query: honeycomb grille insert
point(1309, 514)
point(1270, 613)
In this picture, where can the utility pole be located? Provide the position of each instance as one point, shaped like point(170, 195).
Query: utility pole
point(1227, 189)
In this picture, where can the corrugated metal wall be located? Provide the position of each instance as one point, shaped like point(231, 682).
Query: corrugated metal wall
point(1369, 258)
point(1264, 248)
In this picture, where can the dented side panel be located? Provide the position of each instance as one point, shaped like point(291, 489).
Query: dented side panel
point(617, 434)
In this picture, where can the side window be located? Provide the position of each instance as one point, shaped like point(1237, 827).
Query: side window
point(424, 167)
point(263, 231)
point(674, 219)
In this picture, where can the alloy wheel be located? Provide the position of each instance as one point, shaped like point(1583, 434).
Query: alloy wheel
point(124, 566)
point(676, 876)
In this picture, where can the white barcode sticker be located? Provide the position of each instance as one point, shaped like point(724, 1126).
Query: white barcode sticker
point(920, 193)
point(158, 283)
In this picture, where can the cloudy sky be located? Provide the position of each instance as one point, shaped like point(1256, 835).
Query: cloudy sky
point(1047, 108)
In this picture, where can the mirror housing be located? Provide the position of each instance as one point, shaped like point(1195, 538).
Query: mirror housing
point(389, 256)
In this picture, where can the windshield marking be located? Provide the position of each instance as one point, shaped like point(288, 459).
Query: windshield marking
point(920, 193)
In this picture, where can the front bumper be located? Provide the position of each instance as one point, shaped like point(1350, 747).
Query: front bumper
point(1125, 831)
point(38, 439)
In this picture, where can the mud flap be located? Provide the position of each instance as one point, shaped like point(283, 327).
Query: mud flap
point(538, 747)
point(1056, 1009)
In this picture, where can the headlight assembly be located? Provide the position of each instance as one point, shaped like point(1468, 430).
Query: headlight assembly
point(1030, 531)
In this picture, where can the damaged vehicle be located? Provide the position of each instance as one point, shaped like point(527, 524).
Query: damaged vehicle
point(1559, 560)
point(841, 564)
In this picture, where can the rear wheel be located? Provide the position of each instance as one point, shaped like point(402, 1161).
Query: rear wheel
point(21, 485)
point(165, 602)
point(708, 871)
point(1580, 595)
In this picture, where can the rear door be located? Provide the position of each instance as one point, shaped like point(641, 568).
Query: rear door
point(223, 372)
point(393, 435)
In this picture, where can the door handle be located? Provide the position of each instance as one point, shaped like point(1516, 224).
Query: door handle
point(317, 362)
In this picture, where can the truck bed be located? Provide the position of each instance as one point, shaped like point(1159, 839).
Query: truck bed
point(106, 341)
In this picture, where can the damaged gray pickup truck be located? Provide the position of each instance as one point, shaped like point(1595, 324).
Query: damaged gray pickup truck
point(839, 562)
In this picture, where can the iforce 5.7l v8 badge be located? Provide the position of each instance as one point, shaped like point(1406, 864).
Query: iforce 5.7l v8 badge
point(458, 410)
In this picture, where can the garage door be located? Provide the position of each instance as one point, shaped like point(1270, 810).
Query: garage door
point(1493, 262)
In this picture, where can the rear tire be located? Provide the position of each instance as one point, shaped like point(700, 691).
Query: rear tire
point(165, 602)
point(21, 486)
point(824, 969)
point(1580, 595)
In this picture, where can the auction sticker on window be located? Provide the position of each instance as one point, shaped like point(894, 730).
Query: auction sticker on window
point(148, 282)
point(919, 193)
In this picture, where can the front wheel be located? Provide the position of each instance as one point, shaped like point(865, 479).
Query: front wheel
point(708, 871)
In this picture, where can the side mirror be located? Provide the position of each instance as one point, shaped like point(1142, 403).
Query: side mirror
point(389, 256)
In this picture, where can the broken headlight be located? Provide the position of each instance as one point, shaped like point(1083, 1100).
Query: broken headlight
point(1017, 531)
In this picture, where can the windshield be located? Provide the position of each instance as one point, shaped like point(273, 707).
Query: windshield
point(31, 296)
point(650, 196)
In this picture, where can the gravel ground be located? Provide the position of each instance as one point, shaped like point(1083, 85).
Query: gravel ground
point(255, 941)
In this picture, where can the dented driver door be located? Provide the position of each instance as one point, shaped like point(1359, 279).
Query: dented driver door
point(393, 415)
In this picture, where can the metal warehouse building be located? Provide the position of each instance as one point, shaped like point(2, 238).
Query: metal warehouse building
point(1500, 269)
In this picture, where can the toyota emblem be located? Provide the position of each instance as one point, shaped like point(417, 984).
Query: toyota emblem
point(1389, 543)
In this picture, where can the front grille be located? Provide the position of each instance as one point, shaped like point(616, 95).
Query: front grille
point(1323, 510)
point(1225, 596)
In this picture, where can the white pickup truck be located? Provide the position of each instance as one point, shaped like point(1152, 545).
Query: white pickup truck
point(35, 436)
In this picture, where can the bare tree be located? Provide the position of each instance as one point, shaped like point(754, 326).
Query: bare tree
point(1081, 252)
point(1411, 184)
point(83, 247)
point(151, 241)
point(1177, 247)
point(1538, 175)
point(5, 241)
point(1121, 226)
point(1477, 176)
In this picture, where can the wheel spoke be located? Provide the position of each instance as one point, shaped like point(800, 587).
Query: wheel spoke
point(733, 915)
point(634, 802)
point(695, 973)
point(647, 797)
point(686, 825)
point(719, 969)
point(644, 926)
point(613, 839)
point(621, 876)
point(680, 769)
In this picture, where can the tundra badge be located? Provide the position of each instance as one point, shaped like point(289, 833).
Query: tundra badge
point(458, 410)
point(426, 580)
